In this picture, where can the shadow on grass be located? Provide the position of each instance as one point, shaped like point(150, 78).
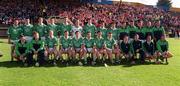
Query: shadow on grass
point(15, 64)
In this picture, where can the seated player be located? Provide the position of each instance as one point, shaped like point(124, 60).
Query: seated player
point(36, 50)
point(148, 47)
point(100, 46)
point(125, 47)
point(110, 42)
point(66, 47)
point(137, 49)
point(117, 53)
point(162, 50)
point(21, 50)
point(51, 44)
point(14, 32)
point(79, 48)
point(90, 47)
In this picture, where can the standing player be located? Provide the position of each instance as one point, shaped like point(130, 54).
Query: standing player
point(51, 44)
point(148, 30)
point(36, 50)
point(132, 29)
point(76, 28)
point(66, 26)
point(141, 31)
point(14, 32)
point(123, 31)
point(102, 29)
point(113, 30)
point(158, 31)
point(40, 28)
point(28, 30)
point(89, 27)
point(162, 49)
point(52, 26)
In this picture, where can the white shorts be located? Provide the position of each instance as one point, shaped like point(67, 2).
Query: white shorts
point(28, 38)
point(109, 49)
point(77, 49)
point(14, 41)
point(51, 49)
point(43, 38)
point(89, 50)
point(64, 49)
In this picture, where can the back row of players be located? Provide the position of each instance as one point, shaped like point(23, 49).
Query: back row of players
point(36, 43)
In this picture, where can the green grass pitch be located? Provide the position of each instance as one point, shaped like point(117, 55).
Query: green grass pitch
point(11, 74)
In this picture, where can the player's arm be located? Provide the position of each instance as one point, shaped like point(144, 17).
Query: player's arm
point(9, 34)
point(158, 44)
point(55, 43)
point(17, 49)
point(42, 46)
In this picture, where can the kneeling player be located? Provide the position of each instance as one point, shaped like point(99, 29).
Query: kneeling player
point(90, 47)
point(162, 49)
point(66, 47)
point(137, 49)
point(79, 48)
point(51, 47)
point(125, 47)
point(100, 46)
point(110, 42)
point(36, 50)
point(21, 50)
point(148, 47)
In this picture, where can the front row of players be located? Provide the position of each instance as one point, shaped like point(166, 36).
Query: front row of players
point(89, 50)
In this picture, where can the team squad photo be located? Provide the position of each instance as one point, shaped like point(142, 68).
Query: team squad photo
point(89, 42)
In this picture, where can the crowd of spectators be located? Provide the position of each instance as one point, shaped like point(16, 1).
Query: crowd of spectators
point(118, 13)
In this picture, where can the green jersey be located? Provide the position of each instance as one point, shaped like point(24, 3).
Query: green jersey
point(89, 28)
point(148, 31)
point(27, 30)
point(109, 43)
point(99, 42)
point(36, 45)
point(52, 27)
point(158, 32)
point(103, 31)
point(141, 33)
point(89, 43)
point(132, 31)
point(62, 28)
point(162, 45)
point(122, 32)
point(114, 33)
point(65, 42)
point(41, 29)
point(51, 42)
point(21, 48)
point(14, 32)
point(77, 42)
